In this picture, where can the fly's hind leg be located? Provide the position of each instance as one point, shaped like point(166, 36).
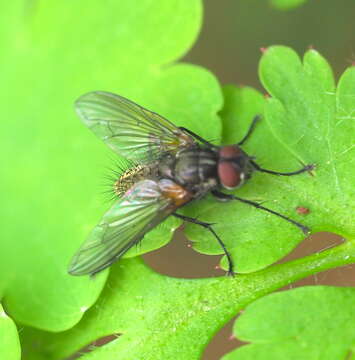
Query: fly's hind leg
point(210, 228)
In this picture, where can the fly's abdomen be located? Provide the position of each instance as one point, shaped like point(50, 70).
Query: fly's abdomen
point(131, 176)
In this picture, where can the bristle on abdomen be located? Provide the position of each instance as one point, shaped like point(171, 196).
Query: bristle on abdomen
point(132, 176)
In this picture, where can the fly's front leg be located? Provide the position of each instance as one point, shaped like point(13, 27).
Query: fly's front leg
point(300, 171)
point(223, 196)
point(209, 227)
point(258, 168)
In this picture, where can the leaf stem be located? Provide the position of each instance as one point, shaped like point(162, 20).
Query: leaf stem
point(340, 255)
point(279, 275)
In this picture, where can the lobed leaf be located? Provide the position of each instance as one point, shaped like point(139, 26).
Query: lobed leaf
point(306, 120)
point(286, 4)
point(156, 317)
point(10, 348)
point(312, 322)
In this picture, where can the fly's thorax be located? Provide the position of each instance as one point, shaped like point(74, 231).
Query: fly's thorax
point(196, 166)
point(166, 166)
point(234, 166)
point(133, 175)
point(192, 168)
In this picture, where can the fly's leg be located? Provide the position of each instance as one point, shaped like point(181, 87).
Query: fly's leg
point(245, 138)
point(258, 168)
point(250, 130)
point(300, 171)
point(223, 196)
point(197, 137)
point(209, 227)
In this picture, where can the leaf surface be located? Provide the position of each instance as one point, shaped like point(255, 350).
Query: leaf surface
point(10, 348)
point(51, 190)
point(156, 317)
point(306, 120)
point(286, 4)
point(312, 322)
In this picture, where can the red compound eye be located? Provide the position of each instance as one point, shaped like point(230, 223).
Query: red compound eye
point(228, 175)
point(229, 152)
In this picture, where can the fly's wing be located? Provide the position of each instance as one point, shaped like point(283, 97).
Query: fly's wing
point(130, 130)
point(124, 225)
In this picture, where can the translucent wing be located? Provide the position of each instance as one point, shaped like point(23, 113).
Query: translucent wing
point(130, 130)
point(124, 225)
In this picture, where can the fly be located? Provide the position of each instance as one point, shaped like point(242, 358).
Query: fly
point(173, 166)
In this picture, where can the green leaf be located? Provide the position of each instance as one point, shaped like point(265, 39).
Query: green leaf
point(321, 118)
point(51, 54)
point(286, 4)
point(306, 120)
point(9, 342)
point(313, 322)
point(162, 318)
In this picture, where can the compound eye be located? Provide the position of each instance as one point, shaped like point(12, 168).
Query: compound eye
point(228, 175)
point(229, 152)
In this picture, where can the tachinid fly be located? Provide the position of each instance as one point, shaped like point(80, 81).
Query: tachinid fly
point(173, 166)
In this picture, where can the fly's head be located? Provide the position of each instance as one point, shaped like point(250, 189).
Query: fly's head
point(234, 166)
